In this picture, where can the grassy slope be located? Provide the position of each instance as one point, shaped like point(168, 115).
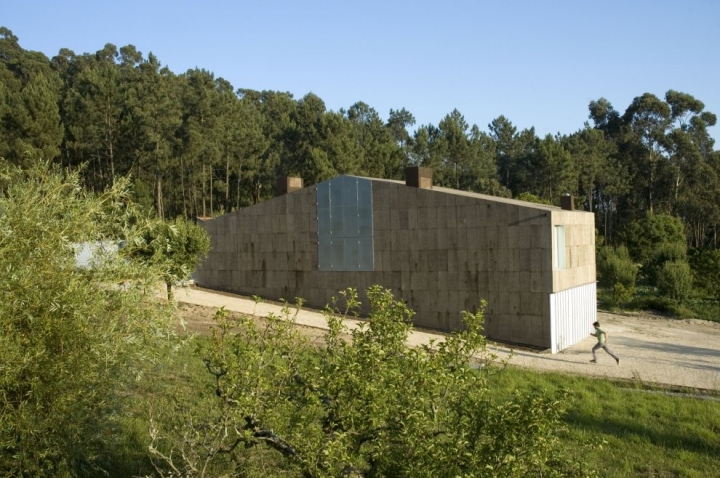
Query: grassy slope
point(629, 432)
point(619, 430)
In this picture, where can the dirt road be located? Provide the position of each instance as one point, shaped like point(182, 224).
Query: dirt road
point(656, 350)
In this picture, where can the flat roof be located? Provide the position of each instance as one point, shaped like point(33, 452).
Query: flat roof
point(487, 197)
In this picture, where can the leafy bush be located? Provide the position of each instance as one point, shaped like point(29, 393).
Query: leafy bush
point(621, 294)
point(644, 237)
point(675, 280)
point(662, 254)
point(617, 273)
point(361, 404)
point(647, 298)
point(705, 265)
point(700, 309)
point(70, 337)
point(174, 247)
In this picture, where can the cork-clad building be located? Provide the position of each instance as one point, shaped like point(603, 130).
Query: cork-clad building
point(440, 250)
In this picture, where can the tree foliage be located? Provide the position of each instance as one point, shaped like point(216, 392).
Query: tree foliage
point(362, 403)
point(175, 248)
point(646, 236)
point(705, 265)
point(29, 94)
point(661, 255)
point(675, 280)
point(71, 338)
point(666, 156)
point(617, 273)
point(198, 146)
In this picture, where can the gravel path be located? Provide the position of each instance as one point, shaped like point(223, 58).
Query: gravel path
point(670, 352)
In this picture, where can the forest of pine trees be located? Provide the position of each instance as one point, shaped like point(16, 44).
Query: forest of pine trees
point(195, 145)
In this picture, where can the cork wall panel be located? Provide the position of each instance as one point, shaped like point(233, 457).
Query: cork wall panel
point(441, 253)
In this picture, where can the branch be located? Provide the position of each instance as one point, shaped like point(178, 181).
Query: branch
point(270, 438)
point(216, 373)
point(231, 447)
point(331, 422)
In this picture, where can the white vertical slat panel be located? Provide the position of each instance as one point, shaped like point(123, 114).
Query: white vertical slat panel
point(572, 313)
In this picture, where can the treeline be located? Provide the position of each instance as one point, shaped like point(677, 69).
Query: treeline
point(196, 145)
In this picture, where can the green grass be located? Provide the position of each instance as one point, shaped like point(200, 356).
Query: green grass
point(647, 298)
point(180, 379)
point(625, 431)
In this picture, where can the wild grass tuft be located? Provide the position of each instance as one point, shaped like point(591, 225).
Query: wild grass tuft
point(626, 430)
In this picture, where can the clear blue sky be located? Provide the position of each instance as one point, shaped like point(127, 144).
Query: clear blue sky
point(539, 63)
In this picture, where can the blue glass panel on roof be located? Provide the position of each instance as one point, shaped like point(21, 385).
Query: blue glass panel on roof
point(323, 225)
point(351, 258)
point(337, 224)
point(324, 260)
point(336, 192)
point(364, 220)
point(345, 234)
point(323, 195)
point(350, 187)
point(364, 193)
point(337, 254)
point(350, 215)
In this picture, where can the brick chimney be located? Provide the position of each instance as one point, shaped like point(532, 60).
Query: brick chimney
point(567, 202)
point(418, 177)
point(288, 185)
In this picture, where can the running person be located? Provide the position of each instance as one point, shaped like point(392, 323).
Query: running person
point(602, 343)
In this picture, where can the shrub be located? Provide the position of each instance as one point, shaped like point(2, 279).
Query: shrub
point(662, 254)
point(363, 403)
point(705, 265)
point(675, 280)
point(617, 273)
point(70, 338)
point(644, 237)
point(175, 247)
point(621, 294)
point(653, 302)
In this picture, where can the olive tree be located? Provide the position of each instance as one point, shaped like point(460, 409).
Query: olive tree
point(175, 247)
point(71, 338)
point(361, 403)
